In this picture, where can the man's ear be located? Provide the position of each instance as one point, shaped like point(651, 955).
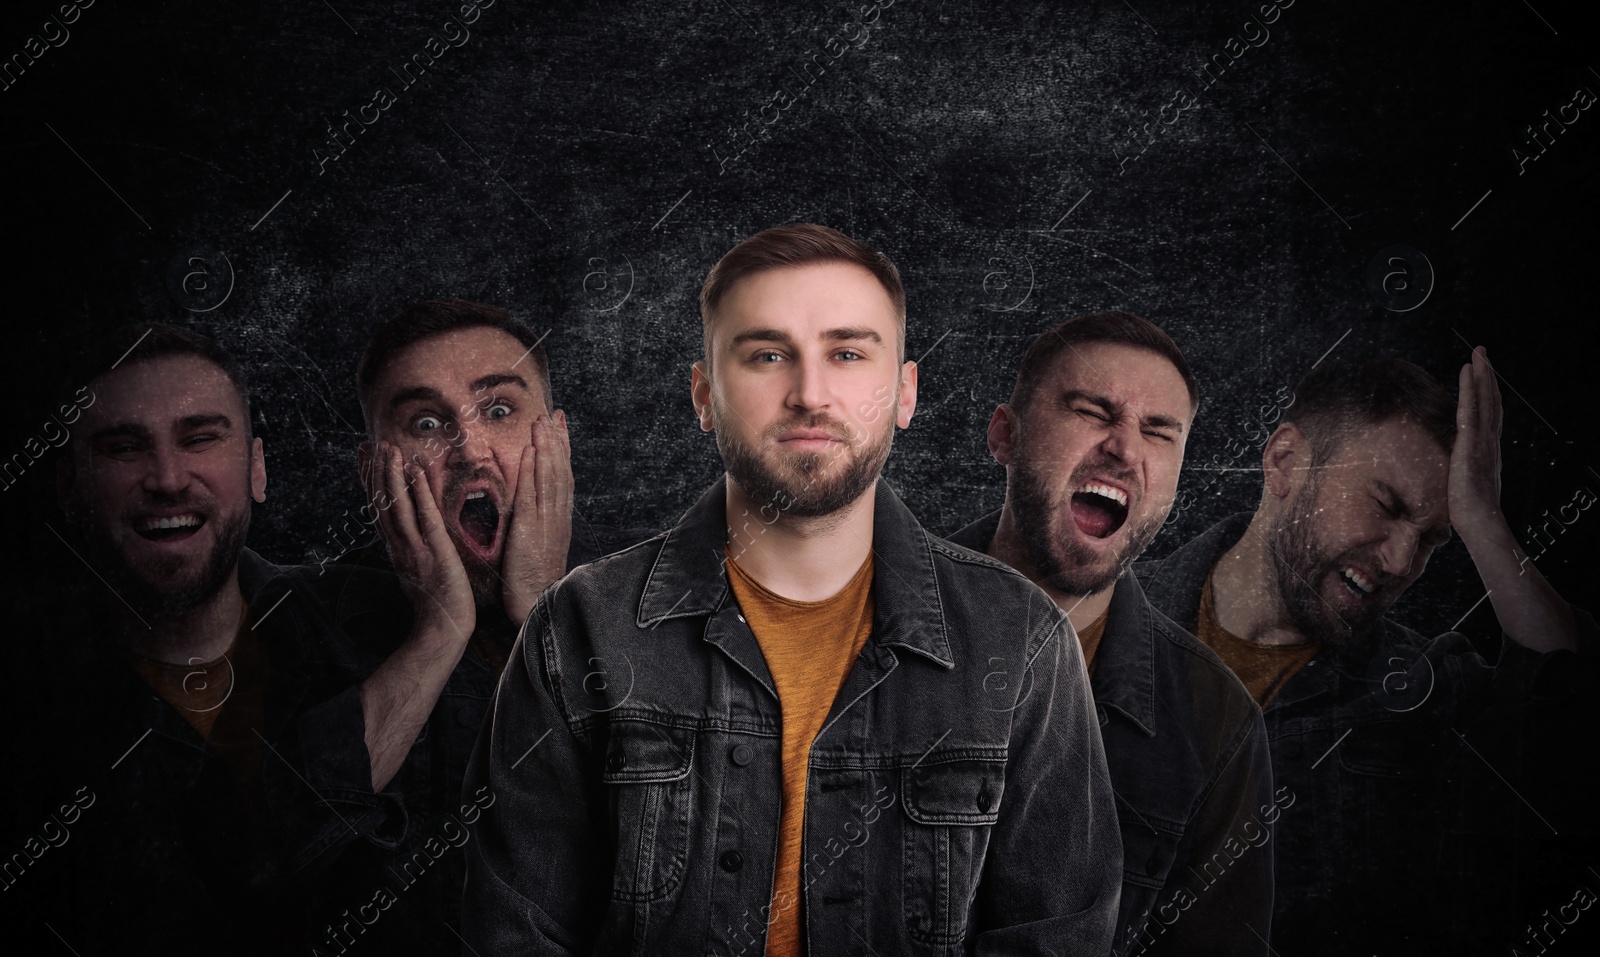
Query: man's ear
point(1003, 434)
point(1286, 460)
point(908, 395)
point(258, 470)
point(700, 394)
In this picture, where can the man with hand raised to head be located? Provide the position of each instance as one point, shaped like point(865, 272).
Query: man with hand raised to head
point(1377, 730)
point(776, 728)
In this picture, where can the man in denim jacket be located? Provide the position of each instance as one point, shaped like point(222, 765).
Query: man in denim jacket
point(946, 790)
point(1093, 439)
point(1383, 736)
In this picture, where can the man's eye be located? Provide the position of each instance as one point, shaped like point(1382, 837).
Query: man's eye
point(850, 354)
point(1091, 413)
point(1159, 435)
point(499, 410)
point(768, 356)
point(202, 439)
point(426, 423)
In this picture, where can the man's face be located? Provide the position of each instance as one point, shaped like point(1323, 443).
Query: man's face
point(160, 482)
point(1358, 530)
point(461, 406)
point(1094, 470)
point(806, 386)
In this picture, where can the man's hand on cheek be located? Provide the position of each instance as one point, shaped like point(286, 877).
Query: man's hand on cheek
point(540, 530)
point(424, 557)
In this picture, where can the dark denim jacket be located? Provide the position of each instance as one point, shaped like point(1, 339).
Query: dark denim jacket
point(170, 853)
point(957, 798)
point(1372, 742)
point(1187, 752)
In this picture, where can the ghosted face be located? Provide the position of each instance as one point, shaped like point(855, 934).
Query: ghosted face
point(161, 479)
point(807, 386)
point(1359, 529)
point(1093, 462)
point(461, 406)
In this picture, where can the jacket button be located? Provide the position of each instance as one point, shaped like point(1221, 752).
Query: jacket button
point(616, 761)
point(732, 861)
point(741, 755)
point(1153, 865)
point(984, 800)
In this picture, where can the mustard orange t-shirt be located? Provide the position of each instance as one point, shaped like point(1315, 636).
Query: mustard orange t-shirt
point(1263, 669)
point(224, 700)
point(1089, 638)
point(810, 647)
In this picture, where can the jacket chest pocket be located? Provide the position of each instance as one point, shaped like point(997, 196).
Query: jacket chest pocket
point(948, 807)
point(646, 768)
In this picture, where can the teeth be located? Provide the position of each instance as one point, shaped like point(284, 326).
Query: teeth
point(473, 495)
point(1360, 580)
point(179, 521)
point(1115, 494)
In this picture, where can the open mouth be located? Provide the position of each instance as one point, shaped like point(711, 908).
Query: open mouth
point(1358, 583)
point(479, 519)
point(1099, 510)
point(171, 528)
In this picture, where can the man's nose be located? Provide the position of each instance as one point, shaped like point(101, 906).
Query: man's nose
point(167, 474)
point(1399, 551)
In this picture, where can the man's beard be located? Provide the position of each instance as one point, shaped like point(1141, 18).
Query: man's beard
point(151, 588)
point(1059, 559)
point(1300, 561)
point(810, 495)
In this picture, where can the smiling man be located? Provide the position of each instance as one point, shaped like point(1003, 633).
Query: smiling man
point(778, 728)
point(1371, 725)
point(1092, 441)
point(193, 735)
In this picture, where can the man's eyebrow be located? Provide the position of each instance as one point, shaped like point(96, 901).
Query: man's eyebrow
point(758, 335)
point(485, 383)
point(1395, 500)
point(837, 334)
point(122, 430)
point(417, 393)
point(1162, 421)
point(852, 333)
point(1113, 407)
point(202, 420)
point(1093, 398)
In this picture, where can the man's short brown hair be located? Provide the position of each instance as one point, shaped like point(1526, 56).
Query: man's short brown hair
point(1342, 398)
point(1121, 328)
point(798, 244)
point(435, 317)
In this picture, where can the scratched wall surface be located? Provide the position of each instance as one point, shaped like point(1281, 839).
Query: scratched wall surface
point(583, 164)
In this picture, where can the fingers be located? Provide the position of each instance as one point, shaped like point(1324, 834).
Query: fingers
point(554, 469)
point(1467, 400)
point(398, 522)
point(430, 524)
point(1490, 409)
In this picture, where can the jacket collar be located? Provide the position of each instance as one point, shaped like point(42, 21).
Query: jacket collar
point(1125, 665)
point(688, 578)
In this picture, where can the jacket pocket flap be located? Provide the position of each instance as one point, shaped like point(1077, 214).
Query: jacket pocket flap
point(954, 792)
point(640, 752)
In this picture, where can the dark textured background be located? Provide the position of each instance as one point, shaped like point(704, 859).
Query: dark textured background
point(577, 163)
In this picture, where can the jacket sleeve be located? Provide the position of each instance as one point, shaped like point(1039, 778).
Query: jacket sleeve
point(1051, 881)
point(536, 872)
point(1233, 915)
